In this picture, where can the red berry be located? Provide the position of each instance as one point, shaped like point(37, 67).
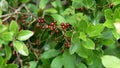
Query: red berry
point(52, 24)
point(67, 24)
point(43, 27)
point(63, 27)
point(52, 28)
point(62, 24)
point(42, 20)
point(67, 45)
point(49, 26)
point(39, 21)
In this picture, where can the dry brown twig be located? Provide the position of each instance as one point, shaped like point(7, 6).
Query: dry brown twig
point(17, 11)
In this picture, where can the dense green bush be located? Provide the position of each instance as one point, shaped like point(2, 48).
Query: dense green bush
point(59, 33)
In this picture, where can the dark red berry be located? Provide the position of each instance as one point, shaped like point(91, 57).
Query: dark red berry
point(67, 24)
point(62, 24)
point(52, 28)
point(39, 21)
point(43, 27)
point(63, 27)
point(67, 45)
point(52, 24)
point(42, 20)
point(49, 26)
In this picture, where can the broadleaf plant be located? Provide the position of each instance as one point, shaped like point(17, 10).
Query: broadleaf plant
point(59, 33)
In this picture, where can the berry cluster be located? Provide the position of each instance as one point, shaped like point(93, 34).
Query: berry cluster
point(52, 27)
point(65, 25)
point(67, 44)
point(41, 20)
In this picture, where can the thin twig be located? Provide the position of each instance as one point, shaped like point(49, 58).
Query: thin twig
point(17, 11)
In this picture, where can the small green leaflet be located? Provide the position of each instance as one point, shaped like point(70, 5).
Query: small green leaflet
point(14, 27)
point(110, 61)
point(24, 35)
point(21, 47)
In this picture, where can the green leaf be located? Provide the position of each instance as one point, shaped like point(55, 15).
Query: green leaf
point(43, 3)
point(75, 42)
point(116, 13)
point(50, 53)
point(116, 2)
point(24, 1)
point(60, 19)
point(73, 47)
point(108, 42)
point(56, 62)
point(7, 36)
point(68, 33)
point(82, 52)
point(33, 64)
point(88, 3)
point(109, 24)
point(77, 4)
point(110, 61)
point(24, 35)
point(115, 34)
point(82, 36)
point(2, 28)
point(33, 8)
point(0, 12)
point(14, 27)
point(95, 30)
point(68, 59)
point(8, 52)
point(1, 61)
point(11, 66)
point(48, 19)
point(96, 63)
point(3, 5)
point(82, 25)
point(69, 11)
point(108, 14)
point(81, 65)
point(51, 10)
point(75, 37)
point(89, 44)
point(21, 48)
